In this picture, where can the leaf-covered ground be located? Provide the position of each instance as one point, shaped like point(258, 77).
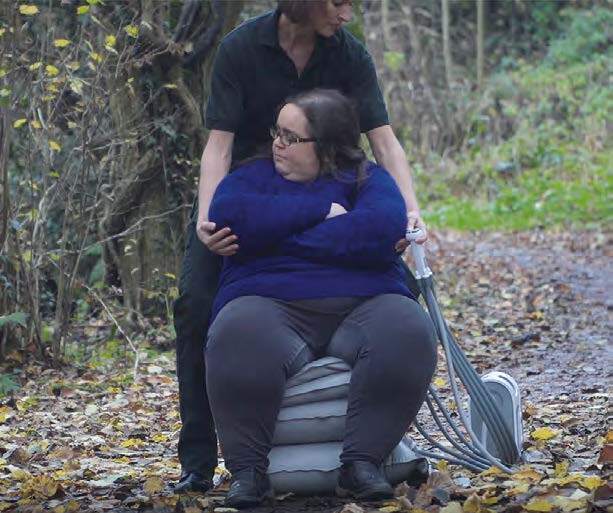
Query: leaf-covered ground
point(534, 304)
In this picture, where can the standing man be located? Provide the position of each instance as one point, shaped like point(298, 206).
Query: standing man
point(299, 46)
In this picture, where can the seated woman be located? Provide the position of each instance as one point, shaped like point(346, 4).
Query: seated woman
point(316, 274)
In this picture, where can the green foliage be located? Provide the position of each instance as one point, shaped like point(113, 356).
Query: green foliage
point(589, 33)
point(554, 165)
point(18, 318)
point(7, 384)
point(394, 60)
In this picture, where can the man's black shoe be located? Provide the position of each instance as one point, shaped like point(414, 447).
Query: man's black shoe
point(363, 480)
point(192, 482)
point(420, 473)
point(248, 488)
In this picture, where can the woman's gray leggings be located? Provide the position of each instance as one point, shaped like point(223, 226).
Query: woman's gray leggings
point(255, 344)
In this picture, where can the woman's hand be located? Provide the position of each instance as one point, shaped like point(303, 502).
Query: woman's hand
point(336, 210)
point(414, 220)
point(221, 242)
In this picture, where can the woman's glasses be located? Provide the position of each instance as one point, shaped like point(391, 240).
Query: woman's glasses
point(288, 138)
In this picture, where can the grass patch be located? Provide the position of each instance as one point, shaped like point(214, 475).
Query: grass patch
point(555, 167)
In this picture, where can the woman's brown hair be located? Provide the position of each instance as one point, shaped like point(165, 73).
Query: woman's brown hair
point(298, 11)
point(334, 123)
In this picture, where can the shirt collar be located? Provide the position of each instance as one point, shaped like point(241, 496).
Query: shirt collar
point(269, 32)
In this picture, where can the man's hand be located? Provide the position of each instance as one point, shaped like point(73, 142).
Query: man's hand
point(336, 210)
point(221, 242)
point(414, 220)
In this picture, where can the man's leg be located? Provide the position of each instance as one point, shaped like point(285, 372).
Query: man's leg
point(197, 440)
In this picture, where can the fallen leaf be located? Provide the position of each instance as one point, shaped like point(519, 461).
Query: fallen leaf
point(153, 485)
point(539, 505)
point(543, 433)
point(452, 507)
point(472, 504)
point(352, 507)
point(606, 454)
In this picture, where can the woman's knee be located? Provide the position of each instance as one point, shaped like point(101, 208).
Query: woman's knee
point(406, 338)
point(250, 339)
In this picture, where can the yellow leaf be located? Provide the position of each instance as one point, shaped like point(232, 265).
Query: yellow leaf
point(110, 41)
point(5, 413)
point(20, 475)
point(96, 57)
point(51, 70)
point(567, 504)
point(543, 433)
point(609, 437)
point(173, 292)
point(35, 124)
point(591, 482)
point(131, 30)
point(72, 506)
point(472, 504)
point(170, 86)
point(132, 442)
point(54, 146)
point(539, 505)
point(83, 9)
point(492, 471)
point(442, 465)
point(2, 72)
point(452, 507)
point(2, 31)
point(159, 437)
point(5, 505)
point(561, 469)
point(390, 509)
point(527, 474)
point(439, 382)
point(571, 478)
point(153, 485)
point(61, 43)
point(35, 66)
point(19, 122)
point(28, 10)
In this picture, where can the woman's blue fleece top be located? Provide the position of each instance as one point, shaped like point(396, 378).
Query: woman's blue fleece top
point(289, 250)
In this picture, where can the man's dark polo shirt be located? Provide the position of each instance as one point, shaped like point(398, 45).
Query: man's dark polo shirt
point(252, 76)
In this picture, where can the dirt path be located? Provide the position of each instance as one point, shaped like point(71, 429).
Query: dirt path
point(534, 305)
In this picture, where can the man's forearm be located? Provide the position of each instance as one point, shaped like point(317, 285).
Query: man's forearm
point(394, 160)
point(214, 166)
point(389, 154)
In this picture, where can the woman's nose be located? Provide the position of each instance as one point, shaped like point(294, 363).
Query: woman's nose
point(345, 13)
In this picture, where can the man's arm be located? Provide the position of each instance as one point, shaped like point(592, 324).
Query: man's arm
point(214, 166)
point(389, 154)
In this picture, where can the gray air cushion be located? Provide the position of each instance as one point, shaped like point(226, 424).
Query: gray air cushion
point(313, 468)
point(310, 429)
point(318, 369)
point(315, 422)
point(326, 388)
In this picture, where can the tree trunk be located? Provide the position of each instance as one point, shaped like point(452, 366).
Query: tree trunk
point(446, 47)
point(163, 134)
point(480, 42)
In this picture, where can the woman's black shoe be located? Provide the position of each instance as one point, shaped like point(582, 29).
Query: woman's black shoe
point(248, 488)
point(192, 482)
point(363, 480)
